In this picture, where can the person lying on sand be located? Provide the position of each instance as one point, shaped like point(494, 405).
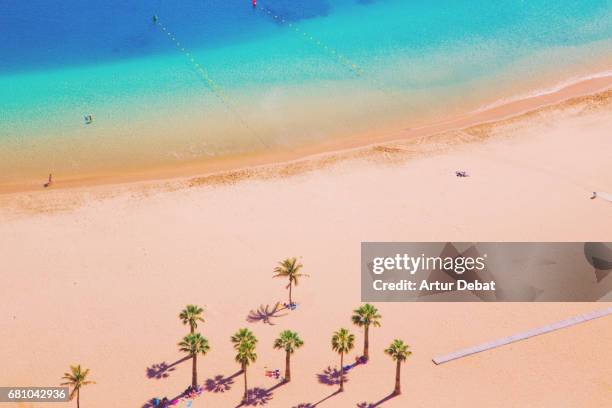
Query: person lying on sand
point(163, 403)
point(291, 306)
point(273, 373)
point(461, 173)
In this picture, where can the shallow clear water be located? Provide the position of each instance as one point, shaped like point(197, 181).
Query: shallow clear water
point(288, 73)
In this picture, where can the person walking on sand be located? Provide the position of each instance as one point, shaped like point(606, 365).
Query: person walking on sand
point(48, 183)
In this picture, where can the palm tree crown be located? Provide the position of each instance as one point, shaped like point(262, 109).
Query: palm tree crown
point(246, 353)
point(289, 268)
point(289, 341)
point(243, 336)
point(193, 344)
point(398, 350)
point(343, 341)
point(76, 378)
point(191, 315)
point(366, 315)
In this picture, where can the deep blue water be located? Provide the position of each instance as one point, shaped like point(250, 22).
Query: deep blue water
point(44, 33)
point(37, 34)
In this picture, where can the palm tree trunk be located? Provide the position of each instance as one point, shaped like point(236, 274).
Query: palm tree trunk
point(288, 367)
point(78, 398)
point(290, 299)
point(194, 371)
point(366, 343)
point(397, 390)
point(341, 371)
point(192, 330)
point(244, 398)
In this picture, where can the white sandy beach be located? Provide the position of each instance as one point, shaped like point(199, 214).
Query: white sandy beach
point(98, 275)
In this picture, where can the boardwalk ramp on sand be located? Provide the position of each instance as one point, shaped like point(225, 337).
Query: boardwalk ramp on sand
point(522, 336)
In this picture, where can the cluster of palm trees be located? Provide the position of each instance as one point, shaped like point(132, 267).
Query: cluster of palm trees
point(343, 342)
point(245, 342)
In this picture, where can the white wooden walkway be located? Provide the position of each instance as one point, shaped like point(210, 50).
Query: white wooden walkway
point(522, 336)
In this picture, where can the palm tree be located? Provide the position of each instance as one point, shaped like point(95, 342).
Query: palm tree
point(289, 341)
point(399, 352)
point(191, 315)
point(366, 316)
point(194, 344)
point(243, 336)
point(289, 268)
point(76, 378)
point(342, 343)
point(244, 343)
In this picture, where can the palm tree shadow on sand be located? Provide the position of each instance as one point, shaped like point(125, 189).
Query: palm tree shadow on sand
point(314, 404)
point(265, 314)
point(220, 383)
point(259, 396)
point(331, 376)
point(376, 404)
point(256, 397)
point(162, 370)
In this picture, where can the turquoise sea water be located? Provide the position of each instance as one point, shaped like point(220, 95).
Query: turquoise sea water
point(230, 78)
